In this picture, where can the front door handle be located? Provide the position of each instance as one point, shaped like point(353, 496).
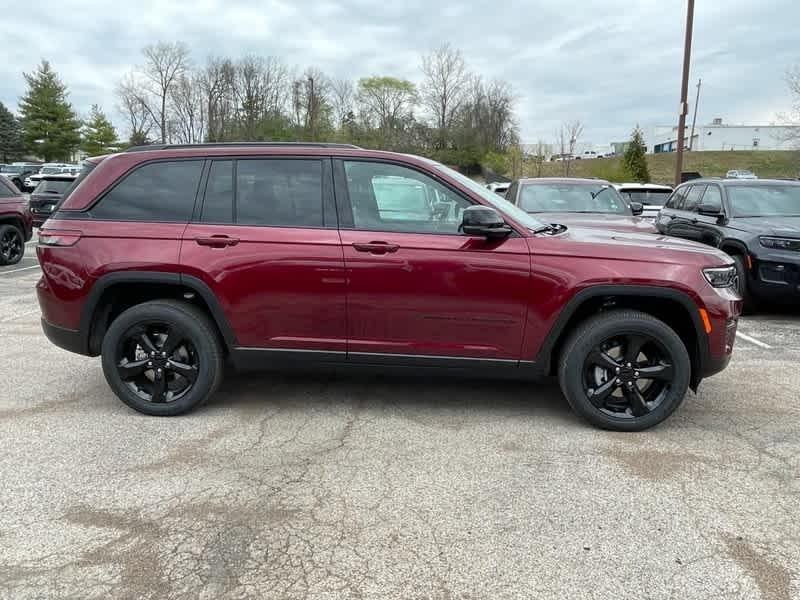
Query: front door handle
point(217, 241)
point(376, 247)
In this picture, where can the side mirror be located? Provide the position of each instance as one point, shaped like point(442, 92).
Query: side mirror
point(484, 221)
point(637, 208)
point(710, 210)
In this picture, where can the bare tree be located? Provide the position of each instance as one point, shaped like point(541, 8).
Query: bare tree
point(342, 95)
point(217, 81)
point(541, 150)
point(568, 135)
point(310, 100)
point(132, 107)
point(792, 119)
point(164, 63)
point(444, 87)
point(260, 86)
point(189, 111)
point(487, 117)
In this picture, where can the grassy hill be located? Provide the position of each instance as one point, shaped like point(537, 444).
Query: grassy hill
point(764, 163)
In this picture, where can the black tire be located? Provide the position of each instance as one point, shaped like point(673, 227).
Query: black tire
point(656, 399)
point(12, 245)
point(742, 283)
point(197, 351)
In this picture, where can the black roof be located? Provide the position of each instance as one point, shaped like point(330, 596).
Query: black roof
point(240, 145)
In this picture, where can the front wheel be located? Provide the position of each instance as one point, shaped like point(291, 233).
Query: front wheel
point(162, 358)
point(12, 245)
point(742, 286)
point(624, 370)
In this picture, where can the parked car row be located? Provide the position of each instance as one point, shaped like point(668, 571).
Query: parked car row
point(26, 176)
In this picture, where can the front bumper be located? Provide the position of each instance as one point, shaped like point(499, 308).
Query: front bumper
point(776, 276)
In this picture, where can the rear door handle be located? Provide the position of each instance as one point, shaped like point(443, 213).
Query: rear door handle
point(217, 241)
point(376, 247)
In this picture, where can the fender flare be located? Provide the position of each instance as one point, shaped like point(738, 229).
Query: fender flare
point(173, 279)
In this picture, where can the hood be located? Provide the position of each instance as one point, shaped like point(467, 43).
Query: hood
point(610, 222)
point(777, 226)
point(616, 245)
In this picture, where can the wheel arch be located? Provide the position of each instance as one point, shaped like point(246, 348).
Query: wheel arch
point(675, 308)
point(732, 246)
point(13, 220)
point(115, 292)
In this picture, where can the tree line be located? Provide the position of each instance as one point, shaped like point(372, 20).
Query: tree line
point(453, 114)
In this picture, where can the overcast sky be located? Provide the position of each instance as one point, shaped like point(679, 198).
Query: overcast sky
point(610, 63)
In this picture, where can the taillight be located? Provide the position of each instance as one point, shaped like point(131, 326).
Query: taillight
point(59, 237)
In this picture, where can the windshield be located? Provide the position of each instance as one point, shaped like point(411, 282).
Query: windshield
point(764, 200)
point(12, 169)
point(501, 204)
point(50, 170)
point(647, 197)
point(572, 198)
point(52, 186)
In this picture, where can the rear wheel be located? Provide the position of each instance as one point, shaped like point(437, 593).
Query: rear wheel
point(162, 358)
point(624, 370)
point(12, 245)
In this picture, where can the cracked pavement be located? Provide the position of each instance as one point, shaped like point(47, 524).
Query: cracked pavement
point(314, 486)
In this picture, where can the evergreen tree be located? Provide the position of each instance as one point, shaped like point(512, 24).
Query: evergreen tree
point(10, 136)
point(634, 161)
point(50, 129)
point(99, 136)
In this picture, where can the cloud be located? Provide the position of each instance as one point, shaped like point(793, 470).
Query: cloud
point(611, 63)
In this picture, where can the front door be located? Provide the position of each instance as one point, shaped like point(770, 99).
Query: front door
point(416, 286)
point(267, 244)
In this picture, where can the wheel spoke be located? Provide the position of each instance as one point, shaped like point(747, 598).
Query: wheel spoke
point(602, 359)
point(187, 371)
point(130, 369)
point(634, 397)
point(661, 372)
point(633, 346)
point(146, 343)
point(172, 341)
point(601, 394)
point(159, 389)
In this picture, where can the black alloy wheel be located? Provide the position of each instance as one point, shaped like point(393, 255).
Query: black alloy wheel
point(163, 357)
point(628, 375)
point(624, 370)
point(12, 245)
point(157, 362)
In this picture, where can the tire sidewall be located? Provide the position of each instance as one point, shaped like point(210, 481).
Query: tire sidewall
point(571, 377)
point(21, 236)
point(743, 288)
point(201, 338)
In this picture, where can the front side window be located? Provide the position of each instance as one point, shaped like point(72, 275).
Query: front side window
point(572, 198)
point(693, 197)
point(386, 197)
point(713, 197)
point(279, 192)
point(677, 198)
point(157, 192)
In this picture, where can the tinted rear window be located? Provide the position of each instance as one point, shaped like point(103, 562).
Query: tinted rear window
point(53, 186)
point(279, 192)
point(158, 192)
point(647, 197)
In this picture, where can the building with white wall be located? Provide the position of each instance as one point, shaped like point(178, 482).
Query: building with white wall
point(719, 136)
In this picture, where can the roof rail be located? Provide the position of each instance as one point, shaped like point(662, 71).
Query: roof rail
point(242, 144)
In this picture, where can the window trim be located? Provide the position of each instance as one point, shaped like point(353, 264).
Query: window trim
point(85, 213)
point(345, 206)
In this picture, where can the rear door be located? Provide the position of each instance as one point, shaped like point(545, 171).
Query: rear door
point(265, 240)
point(706, 229)
point(417, 287)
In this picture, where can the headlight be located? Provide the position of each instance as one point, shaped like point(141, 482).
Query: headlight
point(779, 243)
point(720, 277)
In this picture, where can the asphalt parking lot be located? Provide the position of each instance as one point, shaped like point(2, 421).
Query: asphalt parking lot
point(356, 487)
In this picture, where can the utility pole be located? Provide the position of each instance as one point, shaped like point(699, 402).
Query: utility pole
point(687, 54)
point(694, 117)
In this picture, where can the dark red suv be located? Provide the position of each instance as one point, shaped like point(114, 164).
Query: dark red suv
point(170, 261)
point(15, 223)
